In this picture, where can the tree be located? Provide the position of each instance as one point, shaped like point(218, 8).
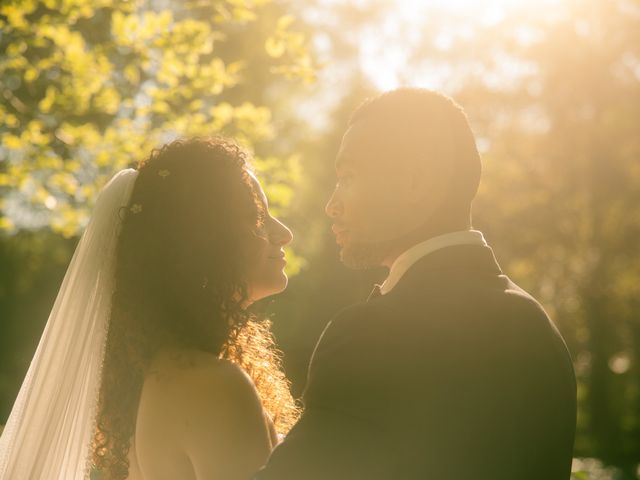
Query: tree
point(91, 87)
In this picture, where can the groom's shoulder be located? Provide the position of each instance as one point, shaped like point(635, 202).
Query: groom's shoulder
point(358, 323)
point(346, 344)
point(352, 315)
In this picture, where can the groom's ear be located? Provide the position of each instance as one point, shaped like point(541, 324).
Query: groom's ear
point(418, 186)
point(430, 181)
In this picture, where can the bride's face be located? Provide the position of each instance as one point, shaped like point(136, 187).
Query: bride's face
point(265, 275)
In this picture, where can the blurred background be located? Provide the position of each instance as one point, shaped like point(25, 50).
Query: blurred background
point(551, 87)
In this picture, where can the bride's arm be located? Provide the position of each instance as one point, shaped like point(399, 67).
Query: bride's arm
point(223, 430)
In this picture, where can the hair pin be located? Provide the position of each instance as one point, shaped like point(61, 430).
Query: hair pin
point(136, 208)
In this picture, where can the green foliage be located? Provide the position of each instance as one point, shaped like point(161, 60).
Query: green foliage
point(90, 87)
point(579, 476)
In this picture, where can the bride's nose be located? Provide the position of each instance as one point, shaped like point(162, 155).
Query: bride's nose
point(279, 233)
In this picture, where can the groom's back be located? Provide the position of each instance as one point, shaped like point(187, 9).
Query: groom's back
point(488, 389)
point(455, 374)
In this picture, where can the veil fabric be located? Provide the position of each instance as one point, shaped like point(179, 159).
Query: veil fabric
point(50, 428)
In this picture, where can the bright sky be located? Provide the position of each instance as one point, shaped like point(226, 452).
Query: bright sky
point(385, 46)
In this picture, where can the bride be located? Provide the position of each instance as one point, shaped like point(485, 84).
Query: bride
point(151, 365)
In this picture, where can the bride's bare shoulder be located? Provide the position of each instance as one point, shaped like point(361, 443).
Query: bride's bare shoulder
point(180, 361)
point(184, 373)
point(203, 403)
point(198, 385)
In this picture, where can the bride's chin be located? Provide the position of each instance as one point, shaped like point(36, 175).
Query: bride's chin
point(276, 288)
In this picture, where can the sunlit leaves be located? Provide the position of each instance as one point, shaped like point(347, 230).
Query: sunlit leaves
point(12, 142)
point(291, 45)
point(15, 15)
point(253, 121)
point(49, 98)
point(295, 263)
point(135, 30)
point(92, 87)
point(68, 220)
point(580, 476)
point(238, 11)
point(7, 225)
point(279, 176)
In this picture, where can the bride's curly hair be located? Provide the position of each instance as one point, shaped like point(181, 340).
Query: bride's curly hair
point(181, 253)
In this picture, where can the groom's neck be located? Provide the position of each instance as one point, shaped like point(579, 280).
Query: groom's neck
point(423, 233)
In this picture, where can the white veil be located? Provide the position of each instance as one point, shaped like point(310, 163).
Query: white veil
point(51, 425)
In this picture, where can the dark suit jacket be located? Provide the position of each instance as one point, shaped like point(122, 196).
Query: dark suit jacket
point(456, 374)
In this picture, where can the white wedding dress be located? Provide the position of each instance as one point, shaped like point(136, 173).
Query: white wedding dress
point(51, 425)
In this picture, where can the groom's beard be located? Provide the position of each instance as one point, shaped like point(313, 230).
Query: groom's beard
point(360, 256)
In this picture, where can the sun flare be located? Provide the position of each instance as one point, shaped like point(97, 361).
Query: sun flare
point(391, 49)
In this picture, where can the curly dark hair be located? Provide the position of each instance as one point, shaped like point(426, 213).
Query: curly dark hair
point(180, 257)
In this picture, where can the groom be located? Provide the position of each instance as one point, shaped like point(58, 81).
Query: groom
point(449, 371)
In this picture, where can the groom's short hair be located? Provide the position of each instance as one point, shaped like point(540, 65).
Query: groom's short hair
point(438, 124)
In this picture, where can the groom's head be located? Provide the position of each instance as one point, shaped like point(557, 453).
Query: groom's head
point(407, 168)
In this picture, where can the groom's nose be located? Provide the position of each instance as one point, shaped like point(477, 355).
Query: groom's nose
point(332, 208)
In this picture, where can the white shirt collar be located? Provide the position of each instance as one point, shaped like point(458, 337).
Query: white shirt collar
point(415, 253)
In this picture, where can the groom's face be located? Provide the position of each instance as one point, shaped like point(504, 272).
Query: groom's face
point(374, 202)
